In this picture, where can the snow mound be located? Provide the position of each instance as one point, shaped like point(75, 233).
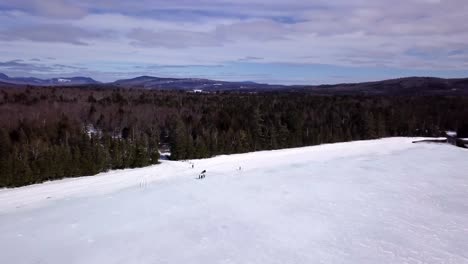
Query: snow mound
point(381, 201)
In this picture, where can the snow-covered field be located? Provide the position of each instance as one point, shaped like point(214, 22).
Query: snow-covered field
point(382, 201)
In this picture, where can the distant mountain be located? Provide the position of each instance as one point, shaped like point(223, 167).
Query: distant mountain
point(47, 82)
point(150, 82)
point(402, 86)
point(410, 86)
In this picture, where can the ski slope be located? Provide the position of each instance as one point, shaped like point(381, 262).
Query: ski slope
point(381, 201)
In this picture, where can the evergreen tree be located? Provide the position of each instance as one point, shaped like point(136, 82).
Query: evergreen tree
point(179, 141)
point(5, 159)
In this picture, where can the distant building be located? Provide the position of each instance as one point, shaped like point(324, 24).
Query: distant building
point(453, 139)
point(198, 91)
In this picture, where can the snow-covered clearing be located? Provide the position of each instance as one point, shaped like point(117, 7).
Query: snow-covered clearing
point(382, 201)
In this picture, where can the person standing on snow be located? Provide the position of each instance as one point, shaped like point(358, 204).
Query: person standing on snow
point(202, 174)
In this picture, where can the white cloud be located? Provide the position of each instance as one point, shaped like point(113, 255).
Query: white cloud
point(61, 9)
point(338, 32)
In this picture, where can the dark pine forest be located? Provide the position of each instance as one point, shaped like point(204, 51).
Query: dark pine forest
point(52, 133)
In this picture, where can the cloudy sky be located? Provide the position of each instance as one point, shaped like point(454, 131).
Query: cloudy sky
point(275, 41)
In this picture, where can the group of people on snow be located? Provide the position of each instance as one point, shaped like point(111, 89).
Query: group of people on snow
point(202, 175)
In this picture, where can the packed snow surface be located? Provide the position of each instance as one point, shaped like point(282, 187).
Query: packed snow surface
point(382, 201)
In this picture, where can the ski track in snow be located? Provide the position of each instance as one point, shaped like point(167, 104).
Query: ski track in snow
point(380, 201)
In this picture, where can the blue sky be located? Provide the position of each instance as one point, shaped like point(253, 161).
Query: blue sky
point(290, 42)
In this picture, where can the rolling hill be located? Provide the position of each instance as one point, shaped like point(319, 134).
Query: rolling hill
point(47, 82)
point(410, 86)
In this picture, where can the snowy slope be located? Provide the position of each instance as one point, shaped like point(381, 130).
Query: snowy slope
point(382, 201)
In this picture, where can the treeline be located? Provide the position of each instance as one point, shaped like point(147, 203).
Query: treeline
point(31, 154)
point(51, 133)
point(240, 123)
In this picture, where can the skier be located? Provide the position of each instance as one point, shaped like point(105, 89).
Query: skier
point(202, 174)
